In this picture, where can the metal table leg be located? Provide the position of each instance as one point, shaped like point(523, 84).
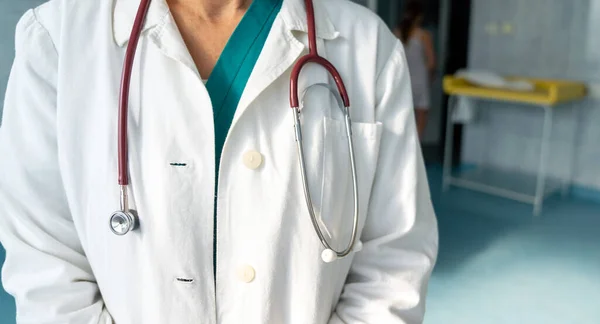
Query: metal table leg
point(540, 189)
point(568, 177)
point(447, 172)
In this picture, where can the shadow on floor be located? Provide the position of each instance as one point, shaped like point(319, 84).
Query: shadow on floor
point(464, 232)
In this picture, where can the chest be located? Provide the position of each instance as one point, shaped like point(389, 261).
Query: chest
point(204, 40)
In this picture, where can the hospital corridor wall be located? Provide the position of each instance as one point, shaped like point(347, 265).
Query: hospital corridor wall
point(544, 39)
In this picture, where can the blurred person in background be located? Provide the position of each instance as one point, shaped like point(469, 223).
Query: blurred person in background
point(420, 55)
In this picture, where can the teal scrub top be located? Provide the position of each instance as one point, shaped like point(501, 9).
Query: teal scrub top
point(232, 71)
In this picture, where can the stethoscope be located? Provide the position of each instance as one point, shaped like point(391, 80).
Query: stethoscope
point(126, 220)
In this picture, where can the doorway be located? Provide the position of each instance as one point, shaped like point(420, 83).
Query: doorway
point(448, 22)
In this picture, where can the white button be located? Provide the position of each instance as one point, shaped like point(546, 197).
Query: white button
point(246, 273)
point(253, 160)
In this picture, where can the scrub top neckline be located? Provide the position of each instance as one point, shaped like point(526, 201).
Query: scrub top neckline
point(229, 77)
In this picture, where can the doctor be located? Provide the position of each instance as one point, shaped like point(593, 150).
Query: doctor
point(224, 233)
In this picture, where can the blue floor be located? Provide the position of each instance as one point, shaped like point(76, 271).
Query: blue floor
point(497, 265)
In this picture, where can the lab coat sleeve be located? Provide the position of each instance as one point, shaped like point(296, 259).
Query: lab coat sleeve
point(45, 269)
point(388, 279)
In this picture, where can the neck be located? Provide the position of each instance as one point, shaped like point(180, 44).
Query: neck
point(212, 10)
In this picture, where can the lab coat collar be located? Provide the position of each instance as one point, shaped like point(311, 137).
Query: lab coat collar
point(124, 16)
point(293, 14)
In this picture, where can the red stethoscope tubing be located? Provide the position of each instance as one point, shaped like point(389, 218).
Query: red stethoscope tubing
point(311, 57)
point(136, 31)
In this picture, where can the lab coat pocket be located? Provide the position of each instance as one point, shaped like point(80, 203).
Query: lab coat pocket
point(337, 198)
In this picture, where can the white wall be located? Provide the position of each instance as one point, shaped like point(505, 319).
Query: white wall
point(549, 39)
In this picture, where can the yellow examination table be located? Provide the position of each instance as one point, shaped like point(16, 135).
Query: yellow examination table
point(545, 94)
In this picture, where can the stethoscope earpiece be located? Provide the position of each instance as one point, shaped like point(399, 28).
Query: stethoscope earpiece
point(358, 246)
point(328, 256)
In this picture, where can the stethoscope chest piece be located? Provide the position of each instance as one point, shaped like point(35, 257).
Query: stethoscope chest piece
point(122, 222)
point(125, 220)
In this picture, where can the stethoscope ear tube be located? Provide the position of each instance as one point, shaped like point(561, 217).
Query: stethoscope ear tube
point(329, 254)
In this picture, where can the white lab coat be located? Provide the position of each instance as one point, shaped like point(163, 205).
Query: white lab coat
point(58, 183)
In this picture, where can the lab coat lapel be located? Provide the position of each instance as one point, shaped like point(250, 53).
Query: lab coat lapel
point(280, 52)
point(282, 49)
point(124, 15)
point(170, 42)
